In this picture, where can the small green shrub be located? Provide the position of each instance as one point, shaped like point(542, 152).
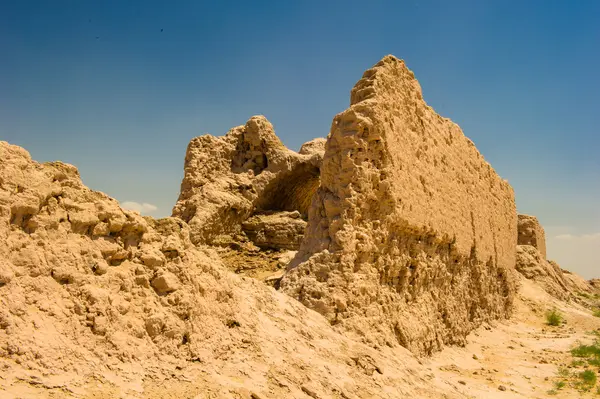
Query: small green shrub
point(564, 372)
point(554, 317)
point(591, 354)
point(586, 351)
point(558, 385)
point(596, 312)
point(587, 380)
point(589, 377)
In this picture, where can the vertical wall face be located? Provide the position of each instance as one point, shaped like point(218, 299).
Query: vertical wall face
point(532, 233)
point(412, 235)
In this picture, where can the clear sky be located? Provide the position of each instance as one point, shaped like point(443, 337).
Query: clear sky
point(118, 88)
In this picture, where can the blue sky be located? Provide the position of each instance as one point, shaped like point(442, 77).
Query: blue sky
point(97, 84)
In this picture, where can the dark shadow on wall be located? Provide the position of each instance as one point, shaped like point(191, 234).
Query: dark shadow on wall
point(292, 191)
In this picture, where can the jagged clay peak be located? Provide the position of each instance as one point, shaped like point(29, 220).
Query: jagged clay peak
point(412, 235)
point(388, 75)
point(228, 179)
point(256, 146)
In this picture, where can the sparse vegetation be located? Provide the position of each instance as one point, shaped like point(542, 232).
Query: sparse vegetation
point(580, 375)
point(586, 380)
point(588, 377)
point(564, 372)
point(585, 351)
point(554, 317)
point(596, 312)
point(591, 353)
point(558, 385)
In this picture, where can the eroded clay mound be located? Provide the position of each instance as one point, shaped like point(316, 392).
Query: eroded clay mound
point(578, 286)
point(92, 295)
point(532, 264)
point(412, 235)
point(227, 179)
point(531, 258)
point(85, 270)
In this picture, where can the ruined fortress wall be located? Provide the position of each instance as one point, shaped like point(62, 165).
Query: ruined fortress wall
point(412, 234)
point(92, 295)
point(531, 233)
point(226, 179)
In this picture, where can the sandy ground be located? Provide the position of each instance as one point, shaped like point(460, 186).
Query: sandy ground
point(518, 358)
point(521, 355)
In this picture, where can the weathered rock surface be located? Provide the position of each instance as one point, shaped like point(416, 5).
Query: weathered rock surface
point(531, 264)
point(94, 296)
point(412, 235)
point(577, 285)
point(531, 233)
point(227, 179)
point(246, 259)
point(278, 230)
point(315, 146)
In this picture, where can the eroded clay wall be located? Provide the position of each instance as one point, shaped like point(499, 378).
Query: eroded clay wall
point(227, 179)
point(412, 236)
point(531, 232)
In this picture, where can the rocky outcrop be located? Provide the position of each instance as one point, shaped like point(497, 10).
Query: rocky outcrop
point(227, 179)
point(84, 269)
point(93, 298)
point(531, 258)
point(412, 235)
point(531, 233)
point(315, 146)
point(533, 266)
point(577, 285)
point(278, 230)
